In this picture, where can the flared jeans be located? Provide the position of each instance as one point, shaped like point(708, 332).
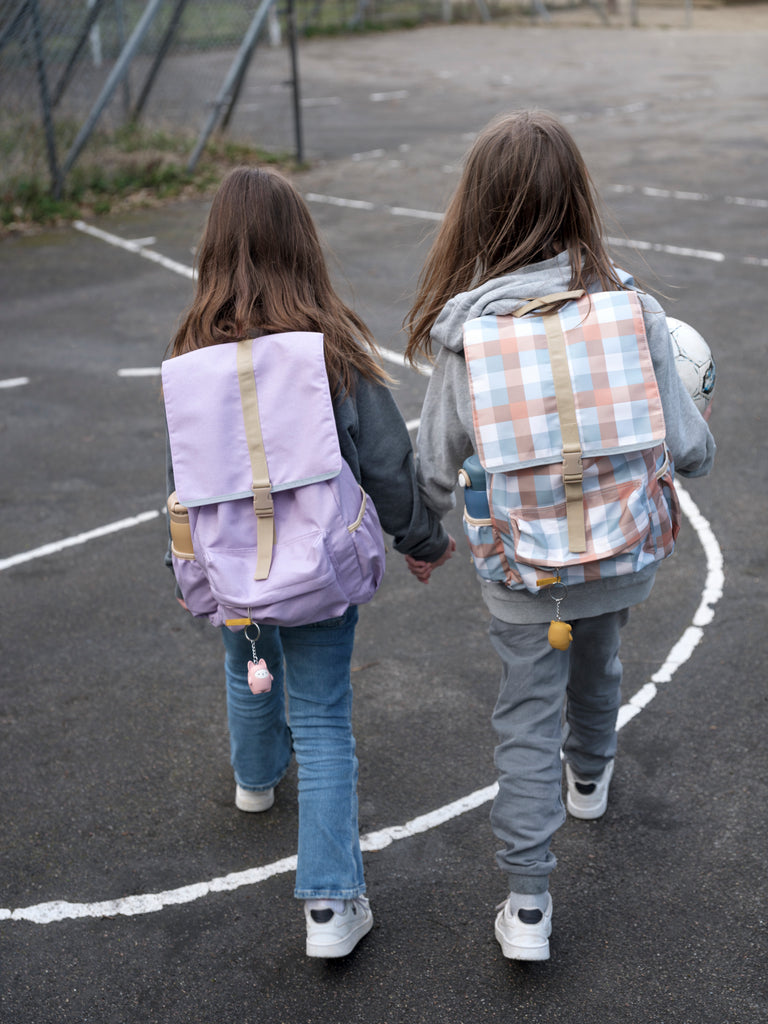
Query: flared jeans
point(308, 712)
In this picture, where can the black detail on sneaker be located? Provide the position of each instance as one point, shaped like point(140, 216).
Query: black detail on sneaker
point(585, 788)
point(321, 916)
point(530, 916)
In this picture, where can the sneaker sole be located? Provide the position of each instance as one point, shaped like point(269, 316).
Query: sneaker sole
point(589, 813)
point(343, 947)
point(254, 801)
point(513, 951)
point(586, 815)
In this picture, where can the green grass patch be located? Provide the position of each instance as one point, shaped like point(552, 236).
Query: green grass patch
point(129, 167)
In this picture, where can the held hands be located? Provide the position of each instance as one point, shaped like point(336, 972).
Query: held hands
point(423, 570)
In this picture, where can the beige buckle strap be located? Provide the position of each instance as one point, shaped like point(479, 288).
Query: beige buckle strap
point(573, 474)
point(544, 305)
point(262, 493)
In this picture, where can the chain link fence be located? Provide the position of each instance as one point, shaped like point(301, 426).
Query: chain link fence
point(73, 69)
point(69, 68)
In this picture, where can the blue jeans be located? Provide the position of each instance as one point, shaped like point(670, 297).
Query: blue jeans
point(311, 669)
point(536, 681)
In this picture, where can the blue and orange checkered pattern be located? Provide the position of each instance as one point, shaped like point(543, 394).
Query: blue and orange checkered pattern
point(631, 514)
point(618, 407)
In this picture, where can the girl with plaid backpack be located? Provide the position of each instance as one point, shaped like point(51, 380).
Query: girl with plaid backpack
point(521, 239)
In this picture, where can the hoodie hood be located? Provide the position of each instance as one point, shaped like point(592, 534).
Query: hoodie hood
point(502, 296)
point(499, 297)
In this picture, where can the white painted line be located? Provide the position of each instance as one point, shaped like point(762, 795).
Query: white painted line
point(147, 903)
point(46, 913)
point(699, 197)
point(693, 635)
point(137, 248)
point(321, 101)
point(382, 97)
point(673, 250)
point(80, 538)
point(371, 154)
point(14, 382)
point(761, 204)
point(140, 371)
point(665, 193)
point(352, 204)
point(403, 211)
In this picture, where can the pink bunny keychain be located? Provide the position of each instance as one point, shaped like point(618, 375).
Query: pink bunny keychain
point(259, 676)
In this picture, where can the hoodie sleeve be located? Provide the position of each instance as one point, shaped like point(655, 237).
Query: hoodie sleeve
point(375, 443)
point(446, 434)
point(689, 439)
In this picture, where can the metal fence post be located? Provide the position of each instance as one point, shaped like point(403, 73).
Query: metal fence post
point(45, 100)
point(118, 73)
point(160, 56)
point(94, 10)
point(292, 35)
point(235, 73)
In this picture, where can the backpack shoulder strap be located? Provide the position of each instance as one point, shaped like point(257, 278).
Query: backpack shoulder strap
point(545, 304)
point(573, 474)
point(262, 497)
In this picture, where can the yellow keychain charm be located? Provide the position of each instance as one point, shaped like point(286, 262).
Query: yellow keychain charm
point(560, 634)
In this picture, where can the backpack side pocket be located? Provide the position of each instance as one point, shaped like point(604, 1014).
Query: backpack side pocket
point(181, 534)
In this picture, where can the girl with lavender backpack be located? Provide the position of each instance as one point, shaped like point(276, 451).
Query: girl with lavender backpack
point(262, 276)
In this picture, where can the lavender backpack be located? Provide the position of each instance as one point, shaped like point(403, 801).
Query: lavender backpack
point(268, 524)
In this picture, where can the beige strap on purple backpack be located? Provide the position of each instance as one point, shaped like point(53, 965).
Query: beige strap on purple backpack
point(262, 493)
point(573, 474)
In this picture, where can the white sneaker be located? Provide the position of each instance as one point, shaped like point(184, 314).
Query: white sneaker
point(587, 798)
point(524, 935)
point(330, 934)
point(254, 800)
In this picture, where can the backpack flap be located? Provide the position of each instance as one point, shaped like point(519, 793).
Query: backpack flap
point(616, 397)
point(558, 386)
point(206, 425)
point(570, 430)
point(257, 463)
point(228, 442)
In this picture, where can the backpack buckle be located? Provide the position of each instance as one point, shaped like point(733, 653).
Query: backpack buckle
point(262, 500)
point(573, 472)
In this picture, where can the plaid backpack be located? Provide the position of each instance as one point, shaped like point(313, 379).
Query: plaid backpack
point(268, 524)
point(570, 445)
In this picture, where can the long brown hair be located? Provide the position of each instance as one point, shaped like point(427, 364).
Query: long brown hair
point(261, 270)
point(524, 196)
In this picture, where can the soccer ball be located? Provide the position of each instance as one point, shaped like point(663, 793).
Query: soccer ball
point(693, 361)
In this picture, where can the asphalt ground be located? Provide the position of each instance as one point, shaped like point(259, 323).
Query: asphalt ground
point(132, 889)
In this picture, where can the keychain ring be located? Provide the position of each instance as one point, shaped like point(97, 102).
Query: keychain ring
point(254, 638)
point(562, 593)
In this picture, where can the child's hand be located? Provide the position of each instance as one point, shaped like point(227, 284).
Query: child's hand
point(423, 570)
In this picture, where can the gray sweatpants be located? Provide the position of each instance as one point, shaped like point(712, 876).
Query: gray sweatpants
point(536, 681)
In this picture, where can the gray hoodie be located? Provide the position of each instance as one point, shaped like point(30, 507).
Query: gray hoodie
point(446, 435)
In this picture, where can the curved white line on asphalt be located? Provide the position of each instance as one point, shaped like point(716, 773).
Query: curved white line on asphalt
point(59, 910)
point(147, 903)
